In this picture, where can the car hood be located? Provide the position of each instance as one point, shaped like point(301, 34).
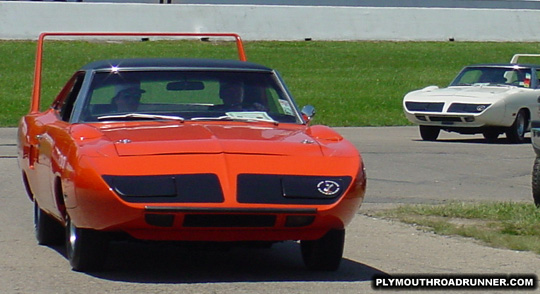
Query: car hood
point(465, 94)
point(207, 139)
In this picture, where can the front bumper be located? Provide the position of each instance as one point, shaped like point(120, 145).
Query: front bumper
point(235, 215)
point(460, 116)
point(204, 222)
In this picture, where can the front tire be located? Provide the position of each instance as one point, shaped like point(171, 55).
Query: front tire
point(86, 249)
point(516, 133)
point(536, 182)
point(324, 254)
point(491, 135)
point(429, 133)
point(48, 230)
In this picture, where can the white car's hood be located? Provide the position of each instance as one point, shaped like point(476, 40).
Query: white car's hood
point(473, 94)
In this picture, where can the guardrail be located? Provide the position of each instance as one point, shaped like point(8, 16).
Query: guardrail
point(27, 19)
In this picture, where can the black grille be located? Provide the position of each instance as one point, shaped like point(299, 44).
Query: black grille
point(445, 118)
point(425, 106)
point(187, 188)
point(159, 220)
point(229, 220)
point(287, 189)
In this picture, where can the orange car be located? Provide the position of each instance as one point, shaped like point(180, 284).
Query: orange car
point(185, 150)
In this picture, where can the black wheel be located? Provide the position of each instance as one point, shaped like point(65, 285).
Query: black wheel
point(325, 253)
point(429, 133)
point(516, 133)
point(48, 230)
point(86, 249)
point(491, 135)
point(536, 182)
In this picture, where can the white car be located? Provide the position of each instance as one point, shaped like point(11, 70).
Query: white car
point(487, 98)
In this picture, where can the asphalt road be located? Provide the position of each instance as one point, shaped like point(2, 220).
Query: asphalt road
point(401, 169)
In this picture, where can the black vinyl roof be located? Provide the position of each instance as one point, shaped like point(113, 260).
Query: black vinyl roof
point(156, 63)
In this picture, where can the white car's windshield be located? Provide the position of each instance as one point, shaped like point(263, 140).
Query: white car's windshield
point(493, 76)
point(187, 95)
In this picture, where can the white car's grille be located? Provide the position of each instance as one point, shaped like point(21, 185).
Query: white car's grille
point(445, 118)
point(425, 106)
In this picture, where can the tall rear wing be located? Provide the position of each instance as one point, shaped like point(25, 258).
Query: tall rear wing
point(36, 92)
point(517, 56)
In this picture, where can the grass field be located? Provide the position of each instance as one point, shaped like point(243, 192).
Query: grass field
point(498, 224)
point(349, 83)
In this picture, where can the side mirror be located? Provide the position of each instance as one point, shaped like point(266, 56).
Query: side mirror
point(308, 112)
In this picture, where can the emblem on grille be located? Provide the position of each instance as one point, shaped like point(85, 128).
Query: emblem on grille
point(328, 188)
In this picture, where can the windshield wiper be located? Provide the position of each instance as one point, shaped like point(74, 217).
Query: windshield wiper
point(233, 118)
point(141, 116)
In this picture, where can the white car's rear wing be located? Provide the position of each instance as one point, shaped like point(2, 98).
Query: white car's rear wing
point(517, 56)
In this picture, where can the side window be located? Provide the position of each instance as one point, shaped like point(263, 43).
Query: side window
point(66, 99)
point(520, 78)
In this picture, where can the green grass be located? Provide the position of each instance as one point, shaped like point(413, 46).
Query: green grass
point(501, 224)
point(349, 83)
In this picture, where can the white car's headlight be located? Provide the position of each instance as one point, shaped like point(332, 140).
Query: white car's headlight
point(467, 107)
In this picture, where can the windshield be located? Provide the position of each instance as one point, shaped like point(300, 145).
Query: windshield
point(188, 95)
point(493, 76)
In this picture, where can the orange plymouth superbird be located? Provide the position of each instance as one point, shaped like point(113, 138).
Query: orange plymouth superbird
point(185, 150)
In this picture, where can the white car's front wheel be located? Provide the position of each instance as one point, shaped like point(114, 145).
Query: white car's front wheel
point(429, 133)
point(491, 135)
point(516, 133)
